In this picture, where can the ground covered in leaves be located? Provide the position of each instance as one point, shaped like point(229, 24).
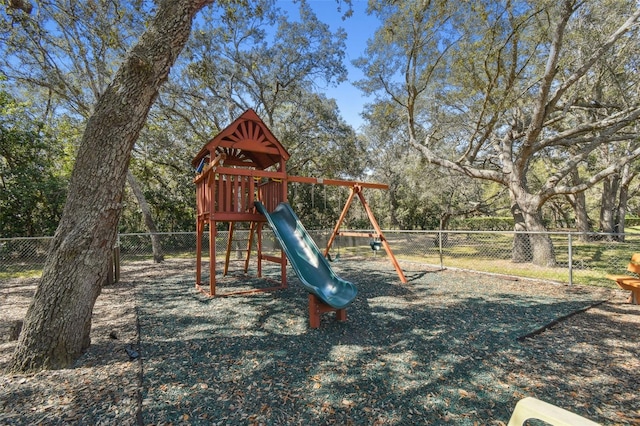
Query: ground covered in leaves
point(448, 347)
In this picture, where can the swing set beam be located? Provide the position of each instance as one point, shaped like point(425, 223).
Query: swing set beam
point(337, 182)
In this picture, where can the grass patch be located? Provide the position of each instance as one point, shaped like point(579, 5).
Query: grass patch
point(591, 277)
point(22, 273)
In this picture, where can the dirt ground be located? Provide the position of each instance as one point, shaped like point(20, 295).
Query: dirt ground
point(449, 347)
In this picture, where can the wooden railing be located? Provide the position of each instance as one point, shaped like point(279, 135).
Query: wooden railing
point(229, 193)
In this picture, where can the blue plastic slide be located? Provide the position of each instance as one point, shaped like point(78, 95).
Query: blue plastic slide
point(306, 259)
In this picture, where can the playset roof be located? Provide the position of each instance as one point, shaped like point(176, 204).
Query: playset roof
point(247, 142)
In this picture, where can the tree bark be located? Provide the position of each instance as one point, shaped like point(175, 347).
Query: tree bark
point(608, 201)
point(156, 246)
point(521, 250)
point(543, 253)
point(623, 199)
point(583, 223)
point(445, 218)
point(393, 206)
point(621, 212)
point(535, 246)
point(579, 203)
point(57, 326)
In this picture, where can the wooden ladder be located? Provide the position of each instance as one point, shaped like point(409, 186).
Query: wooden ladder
point(247, 250)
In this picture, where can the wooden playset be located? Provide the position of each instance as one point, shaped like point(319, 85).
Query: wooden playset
point(245, 163)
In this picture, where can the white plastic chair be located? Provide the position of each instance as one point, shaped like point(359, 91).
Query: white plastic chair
point(532, 408)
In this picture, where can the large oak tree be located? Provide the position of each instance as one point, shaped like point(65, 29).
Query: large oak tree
point(57, 325)
point(492, 89)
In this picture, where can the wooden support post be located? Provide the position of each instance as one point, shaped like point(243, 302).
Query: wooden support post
point(229, 248)
point(252, 230)
point(113, 273)
point(343, 215)
point(199, 232)
point(212, 258)
point(116, 264)
point(317, 307)
point(109, 280)
point(283, 269)
point(259, 250)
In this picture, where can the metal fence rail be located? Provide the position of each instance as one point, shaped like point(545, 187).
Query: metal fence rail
point(580, 258)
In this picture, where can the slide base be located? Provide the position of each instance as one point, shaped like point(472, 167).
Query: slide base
point(318, 307)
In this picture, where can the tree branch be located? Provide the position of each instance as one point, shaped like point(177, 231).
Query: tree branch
point(541, 106)
point(22, 5)
point(613, 168)
point(465, 170)
point(594, 57)
point(613, 123)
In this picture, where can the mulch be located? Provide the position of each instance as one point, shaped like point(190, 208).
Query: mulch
point(449, 347)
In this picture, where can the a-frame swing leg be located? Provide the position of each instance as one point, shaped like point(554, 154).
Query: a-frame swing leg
point(357, 190)
point(384, 241)
point(343, 215)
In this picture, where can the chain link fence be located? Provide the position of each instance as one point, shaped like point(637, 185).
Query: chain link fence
point(23, 256)
point(579, 258)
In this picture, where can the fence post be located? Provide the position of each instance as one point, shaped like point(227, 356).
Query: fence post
point(440, 248)
point(570, 248)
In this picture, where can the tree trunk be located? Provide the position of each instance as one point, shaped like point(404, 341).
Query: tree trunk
point(621, 212)
point(535, 246)
point(583, 223)
point(521, 250)
point(623, 198)
point(608, 202)
point(393, 204)
point(579, 203)
point(445, 219)
point(543, 253)
point(57, 325)
point(561, 215)
point(156, 246)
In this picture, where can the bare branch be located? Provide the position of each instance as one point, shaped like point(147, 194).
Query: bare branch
point(473, 172)
point(613, 168)
point(612, 123)
point(541, 105)
point(594, 57)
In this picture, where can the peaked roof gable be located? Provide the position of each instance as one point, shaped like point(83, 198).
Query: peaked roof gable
point(247, 142)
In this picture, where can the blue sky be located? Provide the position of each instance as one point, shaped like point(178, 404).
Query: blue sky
point(359, 28)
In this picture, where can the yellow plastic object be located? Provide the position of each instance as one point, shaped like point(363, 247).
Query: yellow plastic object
point(532, 408)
